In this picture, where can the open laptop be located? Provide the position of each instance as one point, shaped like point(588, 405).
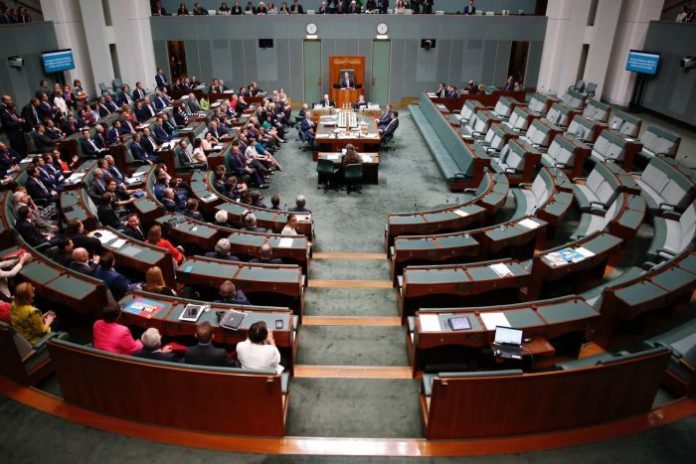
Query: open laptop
point(507, 343)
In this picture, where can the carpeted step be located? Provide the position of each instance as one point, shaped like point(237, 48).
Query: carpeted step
point(348, 269)
point(350, 302)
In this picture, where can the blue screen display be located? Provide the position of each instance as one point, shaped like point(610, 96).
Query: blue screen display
point(60, 60)
point(642, 62)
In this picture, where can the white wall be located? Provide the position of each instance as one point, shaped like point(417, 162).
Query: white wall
point(136, 55)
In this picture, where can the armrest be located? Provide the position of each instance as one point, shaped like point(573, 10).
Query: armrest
point(665, 253)
point(560, 165)
point(510, 170)
point(666, 207)
point(597, 209)
point(671, 214)
point(461, 175)
point(596, 203)
point(48, 337)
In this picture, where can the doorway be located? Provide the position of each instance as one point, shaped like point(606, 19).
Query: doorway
point(311, 53)
point(381, 67)
point(177, 59)
point(517, 67)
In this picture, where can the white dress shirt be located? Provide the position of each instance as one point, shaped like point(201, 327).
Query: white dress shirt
point(255, 356)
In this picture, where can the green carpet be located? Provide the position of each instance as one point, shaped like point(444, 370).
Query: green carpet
point(354, 408)
point(353, 346)
point(350, 302)
point(353, 269)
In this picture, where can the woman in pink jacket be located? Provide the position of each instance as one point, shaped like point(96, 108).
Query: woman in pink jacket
point(113, 337)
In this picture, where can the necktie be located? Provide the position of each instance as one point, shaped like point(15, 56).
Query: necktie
point(91, 142)
point(36, 116)
point(43, 187)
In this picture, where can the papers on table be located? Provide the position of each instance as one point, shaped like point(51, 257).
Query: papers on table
point(104, 236)
point(585, 252)
point(493, 320)
point(460, 212)
point(431, 94)
point(118, 243)
point(501, 269)
point(134, 180)
point(343, 151)
point(303, 217)
point(75, 178)
point(333, 157)
point(218, 147)
point(429, 323)
point(285, 243)
point(366, 158)
point(529, 223)
point(568, 255)
point(209, 197)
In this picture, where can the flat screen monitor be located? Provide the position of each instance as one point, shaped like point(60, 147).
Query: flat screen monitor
point(58, 60)
point(642, 62)
point(507, 336)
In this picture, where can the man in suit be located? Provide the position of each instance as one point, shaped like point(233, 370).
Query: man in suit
point(42, 141)
point(26, 228)
point(470, 9)
point(97, 187)
point(347, 82)
point(114, 134)
point(149, 143)
point(30, 114)
point(89, 146)
point(133, 229)
point(114, 280)
point(8, 158)
point(205, 353)
point(124, 97)
point(240, 167)
point(326, 102)
point(139, 153)
point(98, 137)
point(222, 251)
point(161, 79)
point(266, 256)
point(230, 295)
point(353, 8)
point(106, 213)
point(139, 92)
point(184, 153)
point(160, 101)
point(193, 105)
point(82, 263)
point(37, 190)
point(145, 111)
point(296, 7)
point(104, 111)
point(390, 128)
point(361, 103)
point(307, 127)
point(12, 124)
point(76, 232)
point(181, 117)
point(300, 203)
point(382, 5)
point(152, 347)
point(385, 118)
point(161, 135)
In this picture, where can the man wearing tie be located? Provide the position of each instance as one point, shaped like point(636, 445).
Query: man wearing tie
point(193, 104)
point(114, 134)
point(161, 135)
point(103, 109)
point(390, 128)
point(139, 91)
point(347, 82)
point(160, 101)
point(148, 142)
point(30, 114)
point(133, 229)
point(88, 146)
point(385, 119)
point(139, 152)
point(124, 98)
point(161, 79)
point(36, 189)
point(470, 9)
point(326, 103)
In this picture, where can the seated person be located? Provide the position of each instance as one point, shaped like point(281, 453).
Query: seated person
point(154, 282)
point(65, 249)
point(229, 294)
point(222, 250)
point(385, 118)
point(326, 102)
point(185, 155)
point(76, 232)
point(89, 146)
point(154, 237)
point(149, 143)
point(275, 202)
point(114, 280)
point(153, 349)
point(168, 200)
point(361, 103)
point(390, 128)
point(351, 156)
point(26, 319)
point(290, 227)
point(106, 211)
point(97, 187)
point(191, 210)
point(27, 230)
point(39, 192)
point(132, 228)
point(300, 202)
point(222, 218)
point(21, 198)
point(256, 200)
point(266, 256)
point(204, 353)
point(250, 224)
point(259, 351)
point(139, 152)
point(109, 335)
point(82, 263)
point(347, 82)
point(161, 134)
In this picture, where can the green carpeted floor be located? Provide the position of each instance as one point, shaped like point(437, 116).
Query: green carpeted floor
point(350, 302)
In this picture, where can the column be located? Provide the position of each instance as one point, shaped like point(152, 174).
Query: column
point(631, 31)
point(97, 45)
point(67, 21)
point(602, 35)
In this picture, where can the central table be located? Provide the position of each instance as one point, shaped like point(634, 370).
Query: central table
point(370, 164)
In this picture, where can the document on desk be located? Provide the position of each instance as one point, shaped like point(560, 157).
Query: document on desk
point(118, 243)
point(285, 242)
point(529, 223)
point(585, 252)
point(429, 323)
point(104, 236)
point(493, 320)
point(460, 212)
point(501, 269)
point(366, 158)
point(332, 157)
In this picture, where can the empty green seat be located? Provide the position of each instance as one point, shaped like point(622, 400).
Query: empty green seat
point(625, 123)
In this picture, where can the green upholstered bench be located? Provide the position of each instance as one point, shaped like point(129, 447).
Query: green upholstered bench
point(625, 123)
point(665, 188)
point(597, 111)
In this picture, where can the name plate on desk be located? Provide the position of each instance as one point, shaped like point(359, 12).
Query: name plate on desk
point(460, 212)
point(501, 269)
point(529, 223)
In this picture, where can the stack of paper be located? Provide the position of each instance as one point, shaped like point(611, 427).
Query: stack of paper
point(285, 242)
point(529, 223)
point(429, 323)
point(460, 212)
point(501, 269)
point(492, 320)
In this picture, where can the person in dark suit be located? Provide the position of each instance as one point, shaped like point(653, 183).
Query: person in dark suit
point(300, 203)
point(193, 105)
point(124, 97)
point(8, 158)
point(230, 295)
point(353, 8)
point(326, 102)
point(427, 6)
point(181, 118)
point(147, 110)
point(104, 110)
point(89, 146)
point(510, 84)
point(76, 232)
point(382, 6)
point(42, 141)
point(139, 92)
point(307, 127)
point(470, 9)
point(390, 128)
point(148, 142)
point(106, 214)
point(161, 134)
point(113, 136)
point(138, 151)
point(266, 256)
point(30, 114)
point(385, 118)
point(161, 78)
point(296, 7)
point(415, 6)
point(27, 229)
point(114, 280)
point(82, 263)
point(132, 228)
point(152, 347)
point(441, 91)
point(160, 101)
point(65, 249)
point(37, 190)
point(222, 251)
point(205, 353)
point(12, 124)
point(347, 82)
point(191, 210)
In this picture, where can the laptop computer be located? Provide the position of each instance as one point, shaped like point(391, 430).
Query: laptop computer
point(232, 319)
point(507, 343)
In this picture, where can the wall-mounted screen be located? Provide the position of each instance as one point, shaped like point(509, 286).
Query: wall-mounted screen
point(642, 62)
point(58, 60)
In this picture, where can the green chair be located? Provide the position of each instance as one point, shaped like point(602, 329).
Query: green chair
point(353, 175)
point(326, 174)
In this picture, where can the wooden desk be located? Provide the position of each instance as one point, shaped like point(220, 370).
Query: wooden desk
point(370, 164)
point(263, 283)
point(345, 97)
point(333, 139)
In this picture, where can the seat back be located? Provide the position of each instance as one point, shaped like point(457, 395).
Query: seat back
point(625, 123)
point(15, 349)
point(468, 109)
point(353, 172)
point(538, 103)
point(660, 142)
point(504, 106)
point(573, 99)
point(325, 166)
point(596, 110)
point(538, 133)
point(610, 146)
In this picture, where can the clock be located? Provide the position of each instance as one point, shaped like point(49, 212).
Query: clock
point(382, 28)
point(311, 29)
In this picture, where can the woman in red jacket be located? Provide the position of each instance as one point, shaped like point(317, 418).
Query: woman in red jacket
point(154, 236)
